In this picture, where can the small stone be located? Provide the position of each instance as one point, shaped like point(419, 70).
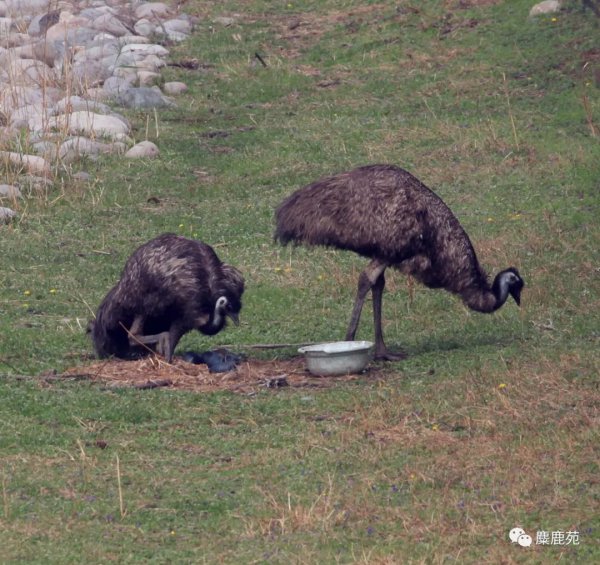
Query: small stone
point(9, 191)
point(6, 215)
point(545, 7)
point(144, 149)
point(224, 21)
point(174, 88)
point(82, 176)
point(31, 163)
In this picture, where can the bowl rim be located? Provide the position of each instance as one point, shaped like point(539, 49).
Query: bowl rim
point(330, 348)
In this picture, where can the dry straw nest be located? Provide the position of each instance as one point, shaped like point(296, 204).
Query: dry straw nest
point(250, 376)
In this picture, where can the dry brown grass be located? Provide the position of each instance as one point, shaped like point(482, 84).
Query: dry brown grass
point(250, 376)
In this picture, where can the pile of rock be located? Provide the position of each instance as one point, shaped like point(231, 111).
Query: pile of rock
point(62, 64)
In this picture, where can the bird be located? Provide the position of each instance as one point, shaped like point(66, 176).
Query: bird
point(384, 213)
point(169, 286)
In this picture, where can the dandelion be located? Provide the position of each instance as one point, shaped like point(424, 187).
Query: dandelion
point(490, 219)
point(278, 270)
point(25, 305)
point(553, 19)
point(27, 292)
point(53, 291)
point(435, 427)
point(502, 385)
point(181, 226)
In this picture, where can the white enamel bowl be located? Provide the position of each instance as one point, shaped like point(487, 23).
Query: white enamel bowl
point(337, 357)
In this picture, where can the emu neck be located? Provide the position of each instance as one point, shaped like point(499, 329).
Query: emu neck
point(485, 299)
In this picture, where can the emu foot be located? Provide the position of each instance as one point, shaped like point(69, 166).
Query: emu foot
point(384, 354)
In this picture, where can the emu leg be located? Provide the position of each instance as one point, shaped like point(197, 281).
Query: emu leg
point(161, 340)
point(381, 350)
point(169, 341)
point(365, 283)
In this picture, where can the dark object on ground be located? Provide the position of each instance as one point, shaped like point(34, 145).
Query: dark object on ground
point(384, 213)
point(218, 361)
point(169, 286)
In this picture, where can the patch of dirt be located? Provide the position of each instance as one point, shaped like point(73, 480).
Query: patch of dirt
point(303, 30)
point(249, 377)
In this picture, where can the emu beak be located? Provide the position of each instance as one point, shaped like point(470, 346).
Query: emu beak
point(235, 317)
point(515, 292)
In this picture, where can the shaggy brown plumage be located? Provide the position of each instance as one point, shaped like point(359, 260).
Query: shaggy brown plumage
point(385, 213)
point(169, 286)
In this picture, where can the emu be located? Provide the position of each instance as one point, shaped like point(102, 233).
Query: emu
point(169, 286)
point(384, 213)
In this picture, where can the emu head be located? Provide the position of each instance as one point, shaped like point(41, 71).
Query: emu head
point(510, 282)
point(229, 308)
point(229, 297)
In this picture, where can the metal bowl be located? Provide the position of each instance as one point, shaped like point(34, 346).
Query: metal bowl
point(337, 357)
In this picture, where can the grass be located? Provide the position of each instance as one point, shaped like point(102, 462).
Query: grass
point(492, 422)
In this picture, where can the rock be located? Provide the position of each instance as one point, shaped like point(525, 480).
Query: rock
point(23, 7)
point(46, 149)
point(82, 176)
point(76, 147)
point(90, 123)
point(545, 7)
point(141, 50)
point(6, 215)
point(34, 116)
point(76, 103)
point(148, 78)
point(144, 149)
point(174, 88)
point(152, 11)
point(110, 24)
point(5, 27)
point(34, 183)
point(143, 97)
point(114, 85)
point(9, 191)
point(224, 21)
point(144, 27)
point(31, 163)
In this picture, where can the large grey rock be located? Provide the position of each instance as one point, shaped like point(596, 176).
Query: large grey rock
point(90, 123)
point(110, 24)
point(152, 11)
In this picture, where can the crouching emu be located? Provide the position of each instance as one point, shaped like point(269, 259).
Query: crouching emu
point(169, 286)
point(384, 213)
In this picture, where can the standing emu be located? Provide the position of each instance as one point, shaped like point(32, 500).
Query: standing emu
point(384, 213)
point(169, 286)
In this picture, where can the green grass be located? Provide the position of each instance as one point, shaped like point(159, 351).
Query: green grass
point(492, 421)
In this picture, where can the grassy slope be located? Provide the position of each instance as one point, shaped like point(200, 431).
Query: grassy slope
point(492, 421)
